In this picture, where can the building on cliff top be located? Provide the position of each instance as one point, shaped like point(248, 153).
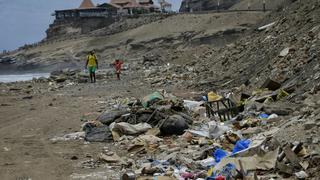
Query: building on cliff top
point(136, 6)
point(115, 7)
point(87, 9)
point(86, 4)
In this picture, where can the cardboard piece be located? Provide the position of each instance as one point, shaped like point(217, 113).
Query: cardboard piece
point(264, 162)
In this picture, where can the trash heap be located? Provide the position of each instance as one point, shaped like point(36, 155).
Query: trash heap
point(164, 137)
point(158, 110)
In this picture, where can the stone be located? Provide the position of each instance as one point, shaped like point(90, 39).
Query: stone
point(286, 51)
point(292, 157)
point(74, 158)
point(315, 140)
point(309, 125)
point(130, 175)
point(61, 79)
point(109, 153)
point(82, 80)
point(27, 97)
point(283, 168)
point(301, 175)
point(150, 170)
point(271, 85)
point(109, 159)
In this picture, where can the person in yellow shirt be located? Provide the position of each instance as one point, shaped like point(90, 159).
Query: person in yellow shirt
point(92, 65)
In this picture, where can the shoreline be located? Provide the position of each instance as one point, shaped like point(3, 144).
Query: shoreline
point(18, 69)
point(9, 78)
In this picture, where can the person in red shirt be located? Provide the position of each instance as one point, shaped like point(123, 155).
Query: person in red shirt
point(118, 65)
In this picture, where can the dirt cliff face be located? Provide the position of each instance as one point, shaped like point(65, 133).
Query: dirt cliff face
point(205, 5)
point(61, 28)
point(67, 44)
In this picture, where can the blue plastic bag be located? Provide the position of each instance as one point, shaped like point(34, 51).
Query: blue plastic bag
point(219, 154)
point(263, 116)
point(241, 145)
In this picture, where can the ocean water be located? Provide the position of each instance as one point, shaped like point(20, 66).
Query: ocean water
point(22, 77)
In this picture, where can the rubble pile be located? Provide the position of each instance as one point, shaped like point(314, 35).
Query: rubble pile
point(157, 110)
point(164, 137)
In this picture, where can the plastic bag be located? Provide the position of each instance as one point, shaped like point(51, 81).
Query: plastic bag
point(241, 145)
point(263, 116)
point(130, 129)
point(216, 130)
point(151, 98)
point(219, 154)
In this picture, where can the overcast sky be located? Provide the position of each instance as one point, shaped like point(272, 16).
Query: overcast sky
point(25, 21)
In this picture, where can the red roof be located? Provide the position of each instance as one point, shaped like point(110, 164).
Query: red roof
point(132, 3)
point(121, 1)
point(86, 4)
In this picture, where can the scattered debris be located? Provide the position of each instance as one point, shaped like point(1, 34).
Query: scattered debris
point(266, 26)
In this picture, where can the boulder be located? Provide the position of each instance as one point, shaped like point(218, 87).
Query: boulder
point(60, 79)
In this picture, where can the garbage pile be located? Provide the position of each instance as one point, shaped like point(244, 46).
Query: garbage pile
point(159, 110)
point(164, 137)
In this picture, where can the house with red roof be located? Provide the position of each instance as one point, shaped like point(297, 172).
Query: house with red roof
point(136, 6)
point(116, 7)
point(87, 9)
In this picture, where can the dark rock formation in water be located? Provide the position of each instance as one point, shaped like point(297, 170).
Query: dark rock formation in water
point(205, 5)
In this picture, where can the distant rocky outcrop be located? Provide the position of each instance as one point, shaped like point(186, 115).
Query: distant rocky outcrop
point(206, 5)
